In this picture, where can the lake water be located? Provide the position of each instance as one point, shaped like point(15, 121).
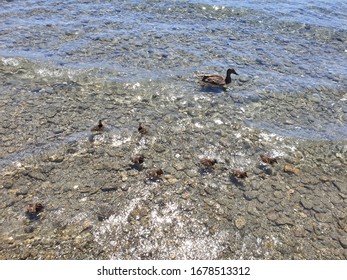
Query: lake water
point(282, 47)
point(66, 64)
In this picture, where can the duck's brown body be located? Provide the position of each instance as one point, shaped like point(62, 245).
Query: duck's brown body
point(218, 80)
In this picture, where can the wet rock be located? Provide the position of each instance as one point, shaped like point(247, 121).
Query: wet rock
point(299, 231)
point(341, 186)
point(263, 197)
point(272, 216)
point(252, 210)
point(125, 187)
point(291, 169)
point(29, 229)
point(171, 179)
point(159, 148)
point(249, 195)
point(324, 217)
point(22, 190)
point(191, 173)
point(139, 212)
point(37, 175)
point(179, 166)
point(124, 176)
point(309, 181)
point(307, 204)
point(314, 98)
point(104, 212)
point(320, 208)
point(108, 188)
point(283, 220)
point(343, 241)
point(240, 223)
point(278, 194)
point(7, 184)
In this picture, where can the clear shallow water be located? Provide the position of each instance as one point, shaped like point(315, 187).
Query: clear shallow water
point(277, 47)
point(291, 56)
point(65, 65)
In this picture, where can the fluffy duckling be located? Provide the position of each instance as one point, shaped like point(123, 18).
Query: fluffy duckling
point(143, 130)
point(154, 173)
point(268, 160)
point(208, 162)
point(34, 208)
point(138, 159)
point(239, 174)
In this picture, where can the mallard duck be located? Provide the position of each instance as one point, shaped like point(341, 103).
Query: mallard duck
point(99, 127)
point(219, 80)
point(267, 159)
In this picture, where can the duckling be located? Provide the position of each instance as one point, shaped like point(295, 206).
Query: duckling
point(208, 162)
point(239, 174)
point(137, 159)
point(99, 127)
point(267, 159)
point(143, 130)
point(154, 173)
point(219, 80)
point(34, 208)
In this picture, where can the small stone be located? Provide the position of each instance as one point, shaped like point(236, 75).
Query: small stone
point(341, 186)
point(171, 179)
point(7, 184)
point(124, 177)
point(283, 220)
point(324, 217)
point(291, 169)
point(319, 208)
point(314, 97)
point(249, 195)
point(108, 188)
point(240, 223)
point(124, 188)
point(278, 194)
point(179, 166)
point(37, 175)
point(185, 195)
point(343, 241)
point(325, 178)
point(22, 191)
point(262, 197)
point(29, 229)
point(299, 231)
point(307, 204)
point(272, 216)
point(191, 173)
point(159, 148)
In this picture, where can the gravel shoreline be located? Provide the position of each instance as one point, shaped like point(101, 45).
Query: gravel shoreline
point(98, 205)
